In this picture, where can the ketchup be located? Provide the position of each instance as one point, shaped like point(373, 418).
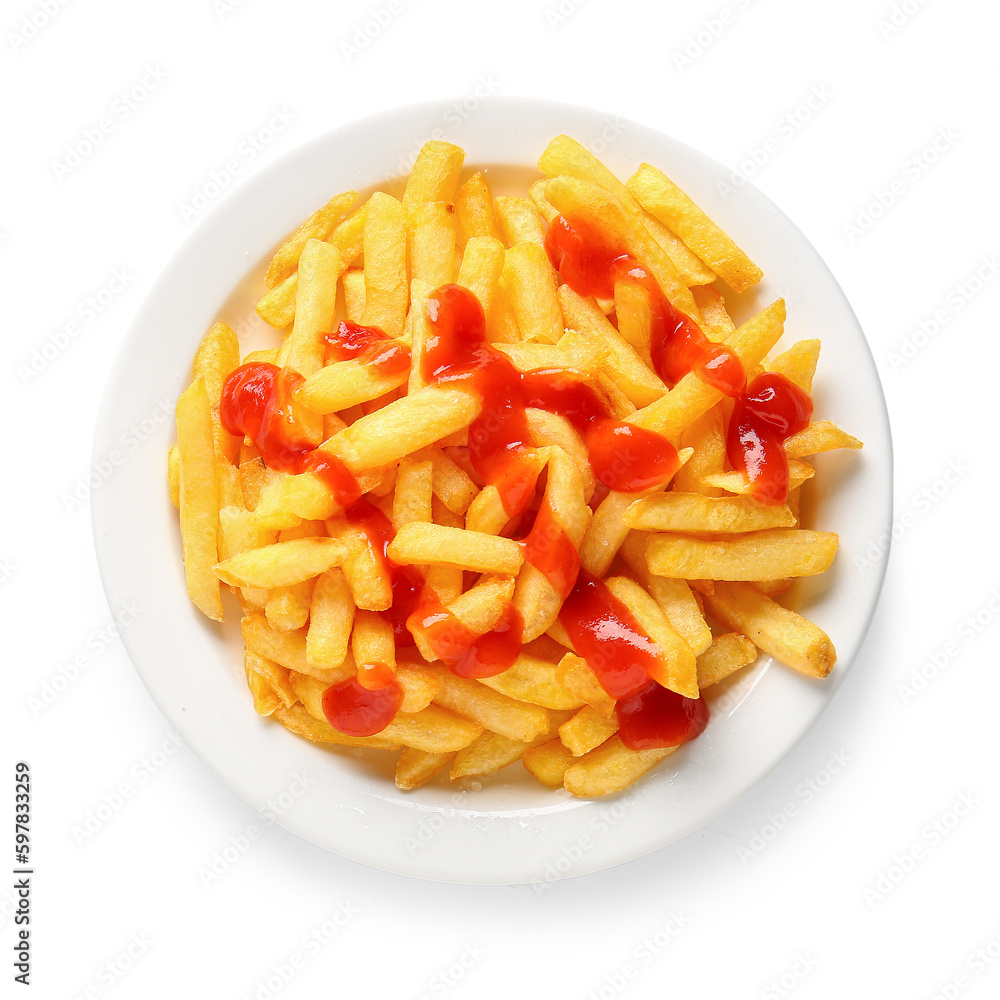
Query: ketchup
point(621, 655)
point(370, 345)
point(463, 651)
point(770, 411)
point(591, 266)
point(257, 403)
point(356, 710)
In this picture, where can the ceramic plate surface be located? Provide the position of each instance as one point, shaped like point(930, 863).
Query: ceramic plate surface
point(511, 830)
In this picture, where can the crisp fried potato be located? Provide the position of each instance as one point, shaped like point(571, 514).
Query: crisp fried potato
point(387, 285)
point(217, 356)
point(727, 654)
point(331, 619)
point(289, 650)
point(282, 563)
point(781, 633)
point(434, 544)
point(575, 676)
point(798, 363)
point(586, 730)
point(519, 220)
point(416, 767)
point(514, 719)
point(482, 266)
point(199, 498)
point(435, 172)
point(549, 762)
point(531, 283)
point(432, 234)
point(345, 384)
point(667, 202)
point(318, 226)
point(610, 768)
point(818, 437)
point(474, 210)
point(297, 720)
point(689, 512)
point(760, 555)
point(533, 680)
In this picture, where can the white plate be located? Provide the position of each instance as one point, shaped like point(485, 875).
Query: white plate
point(511, 830)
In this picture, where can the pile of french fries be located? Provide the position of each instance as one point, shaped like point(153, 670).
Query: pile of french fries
point(697, 561)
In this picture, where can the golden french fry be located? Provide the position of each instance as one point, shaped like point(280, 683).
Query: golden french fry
point(432, 235)
point(544, 206)
point(690, 512)
point(519, 220)
point(716, 324)
point(277, 307)
point(482, 266)
point(199, 498)
point(549, 762)
point(488, 754)
point(610, 768)
point(618, 227)
point(780, 633)
point(283, 563)
point(331, 619)
point(299, 721)
point(514, 719)
point(575, 676)
point(667, 202)
point(818, 437)
point(353, 283)
point(343, 384)
point(287, 608)
point(739, 483)
point(403, 426)
point(288, 649)
point(265, 699)
point(531, 283)
point(533, 680)
point(387, 285)
point(435, 172)
point(474, 210)
point(798, 363)
point(217, 356)
point(315, 304)
point(586, 730)
point(174, 475)
point(760, 555)
point(414, 491)
point(318, 226)
point(277, 677)
point(706, 436)
point(434, 544)
point(416, 767)
point(727, 654)
point(372, 642)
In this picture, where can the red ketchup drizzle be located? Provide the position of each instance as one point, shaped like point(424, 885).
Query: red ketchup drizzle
point(463, 651)
point(607, 636)
point(257, 403)
point(369, 345)
point(590, 266)
point(356, 710)
point(770, 411)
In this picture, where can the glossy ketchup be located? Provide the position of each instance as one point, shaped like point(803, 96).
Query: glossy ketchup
point(623, 657)
point(257, 403)
point(591, 266)
point(356, 710)
point(370, 345)
point(770, 411)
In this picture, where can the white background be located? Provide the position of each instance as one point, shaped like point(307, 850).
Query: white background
point(877, 880)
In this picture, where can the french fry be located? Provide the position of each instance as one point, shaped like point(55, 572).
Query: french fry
point(403, 426)
point(533, 680)
point(779, 632)
point(549, 762)
point(174, 475)
point(618, 227)
point(372, 643)
point(265, 699)
point(519, 220)
point(277, 677)
point(798, 363)
point(676, 667)
point(690, 512)
point(586, 730)
point(288, 649)
point(345, 384)
point(531, 283)
point(716, 323)
point(668, 203)
point(482, 266)
point(575, 676)
point(432, 234)
point(353, 283)
point(435, 544)
point(435, 172)
point(739, 483)
point(416, 767)
point(318, 226)
point(287, 608)
point(450, 482)
point(818, 437)
point(199, 498)
point(297, 720)
point(514, 719)
point(545, 208)
point(277, 307)
point(217, 356)
point(283, 563)
point(611, 768)
point(331, 619)
point(474, 210)
point(706, 436)
point(727, 654)
point(387, 285)
point(760, 555)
